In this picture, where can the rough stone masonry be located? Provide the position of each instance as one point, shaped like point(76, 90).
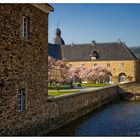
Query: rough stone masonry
point(23, 64)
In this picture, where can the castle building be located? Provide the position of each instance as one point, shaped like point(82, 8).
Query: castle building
point(23, 66)
point(115, 56)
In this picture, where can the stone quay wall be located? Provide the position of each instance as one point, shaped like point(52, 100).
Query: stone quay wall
point(66, 108)
point(129, 91)
point(57, 112)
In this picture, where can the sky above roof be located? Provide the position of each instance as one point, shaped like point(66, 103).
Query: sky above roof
point(82, 23)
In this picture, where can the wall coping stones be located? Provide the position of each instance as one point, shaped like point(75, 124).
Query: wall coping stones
point(52, 98)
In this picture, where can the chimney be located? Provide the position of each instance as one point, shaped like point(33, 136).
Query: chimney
point(72, 44)
point(93, 43)
point(119, 41)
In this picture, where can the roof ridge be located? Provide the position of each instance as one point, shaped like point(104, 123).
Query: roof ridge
point(134, 47)
point(129, 51)
point(91, 43)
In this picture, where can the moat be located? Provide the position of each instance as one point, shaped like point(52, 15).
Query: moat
point(121, 118)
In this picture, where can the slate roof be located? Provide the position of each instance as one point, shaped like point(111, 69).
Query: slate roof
point(106, 51)
point(58, 40)
point(136, 51)
point(54, 51)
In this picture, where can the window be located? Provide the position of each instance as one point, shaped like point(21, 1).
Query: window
point(0, 105)
point(70, 65)
point(110, 79)
point(122, 78)
point(82, 65)
point(25, 27)
point(122, 65)
point(108, 64)
point(94, 64)
point(21, 100)
point(93, 58)
point(94, 55)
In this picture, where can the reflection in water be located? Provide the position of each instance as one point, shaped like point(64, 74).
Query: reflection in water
point(117, 119)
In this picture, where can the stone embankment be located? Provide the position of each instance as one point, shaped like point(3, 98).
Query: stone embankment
point(59, 111)
point(130, 91)
point(63, 109)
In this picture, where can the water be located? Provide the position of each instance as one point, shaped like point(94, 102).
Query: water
point(121, 118)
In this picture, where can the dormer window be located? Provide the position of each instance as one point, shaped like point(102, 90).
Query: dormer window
point(94, 55)
point(93, 58)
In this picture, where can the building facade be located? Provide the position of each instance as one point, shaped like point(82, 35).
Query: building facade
point(116, 57)
point(23, 66)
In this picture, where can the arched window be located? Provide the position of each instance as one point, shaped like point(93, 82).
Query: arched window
point(122, 78)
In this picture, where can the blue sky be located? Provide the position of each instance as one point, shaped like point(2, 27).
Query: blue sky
point(82, 23)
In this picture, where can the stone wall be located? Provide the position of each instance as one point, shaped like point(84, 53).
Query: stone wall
point(57, 112)
point(66, 108)
point(129, 91)
point(130, 68)
point(23, 63)
point(138, 71)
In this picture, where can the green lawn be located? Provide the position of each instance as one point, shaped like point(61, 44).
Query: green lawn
point(83, 85)
point(61, 92)
point(66, 90)
point(53, 87)
point(94, 85)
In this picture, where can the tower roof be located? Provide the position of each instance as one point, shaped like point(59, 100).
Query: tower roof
point(58, 39)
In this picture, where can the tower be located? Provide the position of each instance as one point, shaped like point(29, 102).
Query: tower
point(58, 39)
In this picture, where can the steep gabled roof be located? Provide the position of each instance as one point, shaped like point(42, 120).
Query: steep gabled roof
point(54, 51)
point(106, 51)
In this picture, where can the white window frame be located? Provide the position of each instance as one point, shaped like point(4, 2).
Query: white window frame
point(93, 58)
point(25, 26)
